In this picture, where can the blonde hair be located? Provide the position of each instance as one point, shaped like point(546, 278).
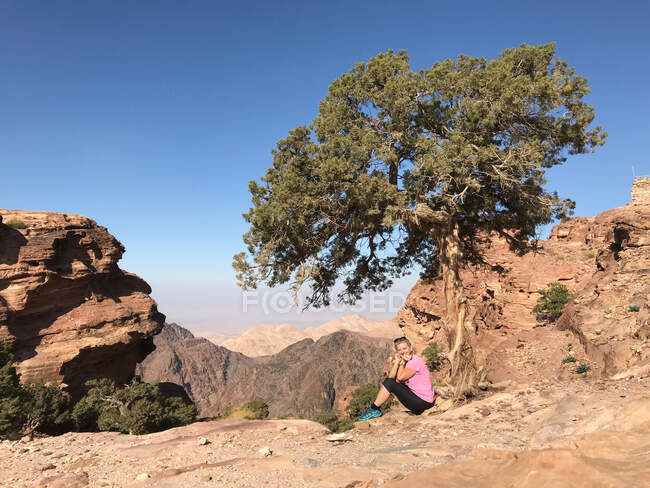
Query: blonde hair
point(399, 340)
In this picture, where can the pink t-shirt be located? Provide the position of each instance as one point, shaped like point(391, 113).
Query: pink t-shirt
point(420, 382)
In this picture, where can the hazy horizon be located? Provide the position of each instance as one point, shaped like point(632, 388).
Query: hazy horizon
point(264, 307)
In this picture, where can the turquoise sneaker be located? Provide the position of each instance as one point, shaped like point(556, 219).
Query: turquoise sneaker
point(370, 413)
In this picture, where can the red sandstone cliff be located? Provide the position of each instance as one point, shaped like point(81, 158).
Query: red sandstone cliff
point(605, 263)
point(71, 312)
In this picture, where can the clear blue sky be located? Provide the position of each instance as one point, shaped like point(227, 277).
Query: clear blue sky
point(152, 116)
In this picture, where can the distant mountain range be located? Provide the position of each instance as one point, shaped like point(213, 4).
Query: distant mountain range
point(300, 380)
point(270, 339)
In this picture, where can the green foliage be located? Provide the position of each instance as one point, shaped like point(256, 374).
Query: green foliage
point(583, 368)
point(331, 420)
point(11, 394)
point(46, 409)
point(25, 409)
point(259, 410)
point(568, 359)
point(550, 305)
point(137, 408)
point(253, 410)
point(362, 397)
point(87, 411)
point(633, 308)
point(433, 356)
point(16, 224)
point(398, 160)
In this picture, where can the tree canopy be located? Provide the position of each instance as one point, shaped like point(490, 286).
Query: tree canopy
point(398, 161)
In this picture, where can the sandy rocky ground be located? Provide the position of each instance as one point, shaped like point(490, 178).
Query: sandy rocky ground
point(578, 433)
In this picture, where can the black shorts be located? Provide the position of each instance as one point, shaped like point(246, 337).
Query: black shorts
point(406, 396)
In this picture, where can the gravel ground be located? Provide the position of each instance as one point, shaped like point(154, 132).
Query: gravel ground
point(231, 453)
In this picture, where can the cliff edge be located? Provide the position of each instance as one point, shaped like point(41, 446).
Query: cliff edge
point(70, 311)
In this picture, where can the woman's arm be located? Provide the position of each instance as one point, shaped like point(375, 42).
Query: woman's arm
point(394, 367)
point(403, 373)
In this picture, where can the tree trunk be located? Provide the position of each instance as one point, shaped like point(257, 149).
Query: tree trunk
point(465, 376)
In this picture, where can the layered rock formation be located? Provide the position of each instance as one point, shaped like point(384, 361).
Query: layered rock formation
point(70, 311)
point(306, 377)
point(605, 263)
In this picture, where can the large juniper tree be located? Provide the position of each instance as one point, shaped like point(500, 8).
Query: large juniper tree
point(402, 168)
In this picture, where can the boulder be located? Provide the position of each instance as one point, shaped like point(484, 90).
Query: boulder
point(71, 312)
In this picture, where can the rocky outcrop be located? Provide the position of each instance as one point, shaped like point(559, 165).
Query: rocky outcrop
point(605, 263)
point(302, 379)
point(70, 311)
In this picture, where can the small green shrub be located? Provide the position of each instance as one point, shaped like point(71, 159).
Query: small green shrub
point(87, 411)
point(588, 255)
point(138, 408)
point(46, 409)
point(568, 359)
point(11, 395)
point(331, 420)
point(253, 410)
point(25, 409)
point(550, 305)
point(433, 356)
point(259, 410)
point(583, 368)
point(16, 224)
point(362, 397)
point(633, 308)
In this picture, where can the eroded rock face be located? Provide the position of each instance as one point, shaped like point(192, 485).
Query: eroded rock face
point(605, 263)
point(71, 312)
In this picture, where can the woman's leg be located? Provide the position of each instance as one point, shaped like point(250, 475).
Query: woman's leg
point(373, 409)
point(382, 396)
point(406, 396)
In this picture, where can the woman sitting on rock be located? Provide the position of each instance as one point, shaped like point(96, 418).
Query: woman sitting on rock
point(408, 380)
